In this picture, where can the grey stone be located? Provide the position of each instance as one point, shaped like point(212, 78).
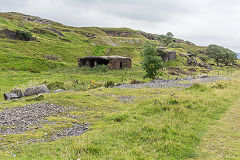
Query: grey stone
point(36, 90)
point(203, 76)
point(167, 55)
point(10, 96)
point(18, 92)
point(59, 90)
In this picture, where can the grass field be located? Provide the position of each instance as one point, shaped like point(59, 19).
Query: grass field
point(170, 123)
point(160, 124)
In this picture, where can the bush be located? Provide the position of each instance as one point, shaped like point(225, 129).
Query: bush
point(135, 82)
point(52, 57)
point(55, 85)
point(175, 45)
point(166, 39)
point(220, 85)
point(94, 84)
point(203, 58)
point(23, 35)
point(101, 68)
point(97, 69)
point(151, 61)
point(197, 86)
point(109, 84)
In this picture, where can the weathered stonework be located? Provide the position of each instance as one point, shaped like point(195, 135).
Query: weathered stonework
point(112, 62)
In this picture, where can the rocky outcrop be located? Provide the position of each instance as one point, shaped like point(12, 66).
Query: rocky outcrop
point(149, 35)
point(167, 55)
point(17, 93)
point(119, 33)
point(36, 19)
point(6, 33)
point(9, 34)
point(54, 30)
point(36, 90)
point(192, 61)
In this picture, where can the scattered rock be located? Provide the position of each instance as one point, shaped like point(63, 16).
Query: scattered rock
point(160, 83)
point(59, 90)
point(36, 90)
point(203, 76)
point(54, 30)
point(191, 61)
point(20, 119)
point(36, 19)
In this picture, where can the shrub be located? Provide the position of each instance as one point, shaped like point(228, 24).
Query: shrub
point(55, 85)
point(197, 86)
point(166, 39)
point(93, 84)
point(109, 84)
point(151, 61)
point(101, 68)
point(52, 57)
point(203, 58)
point(175, 45)
point(135, 82)
point(220, 85)
point(23, 35)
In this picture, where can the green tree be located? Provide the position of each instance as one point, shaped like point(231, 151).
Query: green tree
point(166, 39)
point(151, 61)
point(221, 54)
point(170, 34)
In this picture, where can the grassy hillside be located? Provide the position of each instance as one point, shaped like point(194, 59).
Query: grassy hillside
point(155, 124)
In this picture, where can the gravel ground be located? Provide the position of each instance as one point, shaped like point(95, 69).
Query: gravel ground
point(21, 119)
point(160, 83)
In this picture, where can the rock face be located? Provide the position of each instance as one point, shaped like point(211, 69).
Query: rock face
point(191, 61)
point(54, 30)
point(6, 33)
point(36, 90)
point(167, 55)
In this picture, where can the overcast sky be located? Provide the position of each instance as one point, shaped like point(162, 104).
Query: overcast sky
point(200, 21)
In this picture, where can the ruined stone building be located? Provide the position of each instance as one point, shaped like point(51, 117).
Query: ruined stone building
point(112, 62)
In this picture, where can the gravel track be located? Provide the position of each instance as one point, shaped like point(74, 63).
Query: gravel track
point(160, 83)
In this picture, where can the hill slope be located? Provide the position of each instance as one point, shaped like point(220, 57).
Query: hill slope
point(64, 44)
point(146, 123)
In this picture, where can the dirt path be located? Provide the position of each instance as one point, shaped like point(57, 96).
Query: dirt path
point(222, 141)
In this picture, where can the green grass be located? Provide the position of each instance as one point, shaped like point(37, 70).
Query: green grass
point(221, 141)
point(159, 125)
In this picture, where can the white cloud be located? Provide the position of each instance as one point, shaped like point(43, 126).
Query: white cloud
point(200, 21)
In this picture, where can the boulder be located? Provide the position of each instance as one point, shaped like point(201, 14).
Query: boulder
point(167, 55)
point(36, 90)
point(18, 92)
point(203, 76)
point(59, 90)
point(10, 96)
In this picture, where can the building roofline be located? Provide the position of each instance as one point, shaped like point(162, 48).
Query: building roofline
point(105, 57)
